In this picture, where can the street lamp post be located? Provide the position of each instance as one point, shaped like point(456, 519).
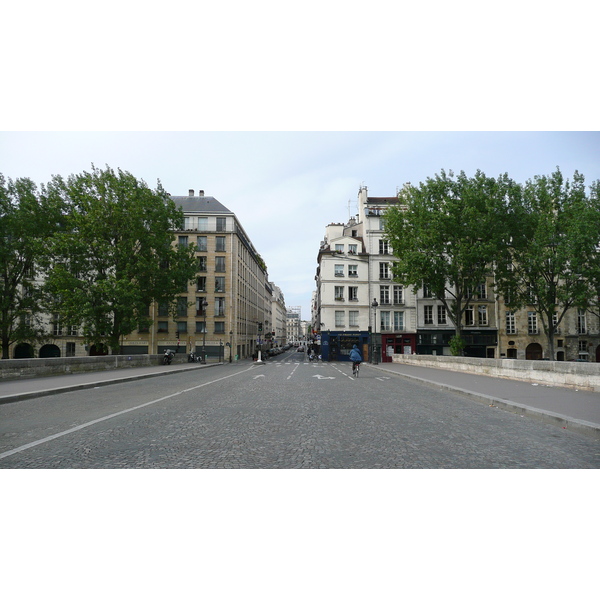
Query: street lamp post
point(374, 304)
point(230, 345)
point(204, 305)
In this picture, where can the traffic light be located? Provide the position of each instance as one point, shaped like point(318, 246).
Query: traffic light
point(260, 327)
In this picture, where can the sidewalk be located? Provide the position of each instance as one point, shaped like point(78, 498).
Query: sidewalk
point(22, 389)
point(576, 410)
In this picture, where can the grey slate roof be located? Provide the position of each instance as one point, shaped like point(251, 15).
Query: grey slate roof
point(200, 204)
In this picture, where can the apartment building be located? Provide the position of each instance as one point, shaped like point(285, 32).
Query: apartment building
point(219, 314)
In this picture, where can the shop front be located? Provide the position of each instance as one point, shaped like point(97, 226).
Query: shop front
point(336, 345)
point(398, 343)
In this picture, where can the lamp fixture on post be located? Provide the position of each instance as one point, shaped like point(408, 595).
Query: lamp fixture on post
point(374, 305)
point(204, 305)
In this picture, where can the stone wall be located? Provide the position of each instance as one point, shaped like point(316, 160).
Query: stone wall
point(25, 368)
point(579, 375)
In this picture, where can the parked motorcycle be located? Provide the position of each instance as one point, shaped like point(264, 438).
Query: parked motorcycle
point(193, 358)
point(168, 357)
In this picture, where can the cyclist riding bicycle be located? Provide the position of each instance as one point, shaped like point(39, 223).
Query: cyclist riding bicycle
point(355, 357)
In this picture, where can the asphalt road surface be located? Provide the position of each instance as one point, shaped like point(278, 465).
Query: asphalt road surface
point(286, 414)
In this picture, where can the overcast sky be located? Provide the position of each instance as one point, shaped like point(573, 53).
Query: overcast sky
point(286, 187)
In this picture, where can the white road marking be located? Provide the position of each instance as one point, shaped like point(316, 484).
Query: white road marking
point(323, 377)
point(293, 370)
point(122, 412)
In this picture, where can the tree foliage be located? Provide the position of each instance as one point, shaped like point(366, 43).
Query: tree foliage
point(553, 263)
point(115, 254)
point(446, 233)
point(27, 222)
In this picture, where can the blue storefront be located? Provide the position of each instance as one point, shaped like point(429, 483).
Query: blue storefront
point(336, 345)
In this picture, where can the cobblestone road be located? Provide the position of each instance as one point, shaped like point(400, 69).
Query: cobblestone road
point(287, 414)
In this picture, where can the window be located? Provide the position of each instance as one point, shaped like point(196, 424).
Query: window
point(353, 293)
point(427, 292)
point(442, 316)
point(221, 224)
point(481, 292)
point(353, 248)
point(482, 315)
point(56, 324)
point(163, 310)
point(220, 284)
point(163, 327)
point(428, 314)
point(398, 294)
point(581, 322)
point(511, 327)
point(384, 270)
point(398, 320)
point(353, 318)
point(469, 316)
point(339, 318)
point(219, 264)
point(181, 327)
point(199, 326)
point(532, 323)
point(202, 264)
point(339, 247)
point(384, 318)
point(220, 243)
point(339, 292)
point(384, 294)
point(352, 271)
point(202, 223)
point(338, 270)
point(219, 327)
point(199, 309)
point(201, 243)
point(219, 307)
point(182, 307)
point(183, 241)
point(384, 247)
point(201, 284)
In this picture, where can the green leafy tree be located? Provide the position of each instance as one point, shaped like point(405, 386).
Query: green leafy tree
point(115, 255)
point(446, 233)
point(27, 222)
point(553, 263)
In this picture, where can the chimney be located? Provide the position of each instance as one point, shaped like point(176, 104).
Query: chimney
point(191, 193)
point(201, 193)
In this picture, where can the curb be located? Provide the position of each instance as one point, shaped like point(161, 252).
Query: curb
point(583, 427)
point(94, 384)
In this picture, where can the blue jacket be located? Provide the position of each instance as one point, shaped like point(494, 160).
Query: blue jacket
point(355, 355)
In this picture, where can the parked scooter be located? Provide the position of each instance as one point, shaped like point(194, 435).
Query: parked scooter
point(193, 358)
point(168, 357)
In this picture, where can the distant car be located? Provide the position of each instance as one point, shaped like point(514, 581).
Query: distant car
point(300, 348)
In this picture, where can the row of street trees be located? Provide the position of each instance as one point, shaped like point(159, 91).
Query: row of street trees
point(95, 248)
point(541, 240)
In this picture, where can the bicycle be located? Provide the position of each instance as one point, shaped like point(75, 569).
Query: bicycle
point(355, 368)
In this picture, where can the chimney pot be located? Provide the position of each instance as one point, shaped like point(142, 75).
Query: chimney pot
point(191, 193)
point(201, 193)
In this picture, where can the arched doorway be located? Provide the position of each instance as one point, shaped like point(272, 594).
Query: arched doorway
point(533, 352)
point(99, 350)
point(49, 351)
point(23, 351)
